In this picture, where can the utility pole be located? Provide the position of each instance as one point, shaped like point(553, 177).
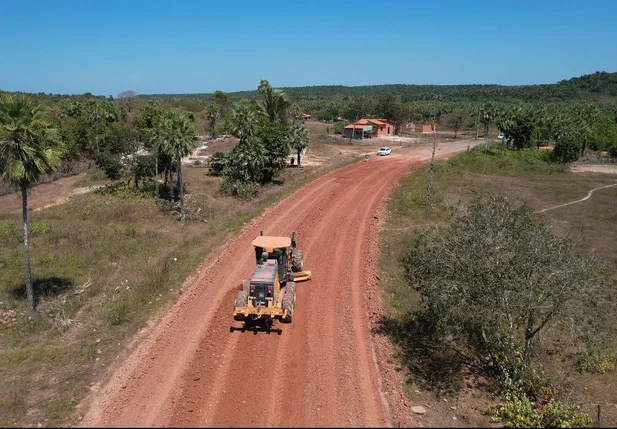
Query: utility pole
point(429, 182)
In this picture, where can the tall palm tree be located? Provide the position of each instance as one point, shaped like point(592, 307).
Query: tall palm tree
point(276, 104)
point(27, 150)
point(177, 132)
point(299, 139)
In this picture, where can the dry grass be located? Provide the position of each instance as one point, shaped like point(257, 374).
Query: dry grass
point(456, 183)
point(101, 266)
point(315, 127)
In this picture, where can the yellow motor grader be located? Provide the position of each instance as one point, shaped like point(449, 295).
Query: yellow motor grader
point(271, 292)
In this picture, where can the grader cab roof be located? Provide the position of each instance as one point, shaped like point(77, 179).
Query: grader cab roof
point(271, 242)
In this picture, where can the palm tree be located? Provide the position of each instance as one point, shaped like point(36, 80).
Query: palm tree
point(505, 122)
point(299, 139)
point(276, 104)
point(26, 152)
point(487, 116)
point(244, 120)
point(177, 133)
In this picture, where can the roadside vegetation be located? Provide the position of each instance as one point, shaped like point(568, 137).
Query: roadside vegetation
point(504, 313)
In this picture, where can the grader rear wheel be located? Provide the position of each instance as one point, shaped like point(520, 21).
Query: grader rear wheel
point(288, 305)
point(246, 284)
point(291, 289)
point(241, 300)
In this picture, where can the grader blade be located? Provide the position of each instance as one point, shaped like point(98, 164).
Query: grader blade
point(301, 276)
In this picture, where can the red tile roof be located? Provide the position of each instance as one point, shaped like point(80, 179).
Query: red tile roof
point(374, 121)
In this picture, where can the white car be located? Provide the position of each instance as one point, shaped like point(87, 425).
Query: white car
point(500, 136)
point(384, 151)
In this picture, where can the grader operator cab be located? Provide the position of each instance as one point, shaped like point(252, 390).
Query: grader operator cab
point(271, 292)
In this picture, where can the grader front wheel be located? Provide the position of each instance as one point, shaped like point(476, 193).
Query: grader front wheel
point(297, 264)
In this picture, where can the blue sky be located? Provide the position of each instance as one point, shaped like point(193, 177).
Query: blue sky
point(105, 47)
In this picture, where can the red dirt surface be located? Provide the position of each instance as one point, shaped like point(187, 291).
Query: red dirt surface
point(327, 368)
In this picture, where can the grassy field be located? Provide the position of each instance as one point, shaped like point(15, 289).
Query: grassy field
point(101, 266)
point(315, 127)
point(541, 185)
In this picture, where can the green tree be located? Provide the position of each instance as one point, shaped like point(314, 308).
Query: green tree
point(567, 149)
point(27, 150)
point(276, 105)
point(299, 139)
point(224, 105)
point(244, 167)
point(216, 163)
point(213, 115)
point(149, 115)
point(275, 139)
point(390, 108)
point(177, 133)
point(456, 121)
point(244, 120)
point(500, 275)
point(358, 108)
point(604, 134)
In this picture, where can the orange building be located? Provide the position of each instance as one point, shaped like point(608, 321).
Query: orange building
point(383, 127)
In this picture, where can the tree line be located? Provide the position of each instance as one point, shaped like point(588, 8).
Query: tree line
point(596, 86)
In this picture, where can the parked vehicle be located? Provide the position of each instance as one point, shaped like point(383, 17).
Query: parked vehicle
point(384, 151)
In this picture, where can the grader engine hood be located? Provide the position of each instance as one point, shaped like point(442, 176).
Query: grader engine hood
point(261, 291)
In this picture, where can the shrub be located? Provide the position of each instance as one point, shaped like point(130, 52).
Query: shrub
point(7, 227)
point(216, 163)
point(144, 166)
point(110, 163)
point(597, 363)
point(96, 173)
point(339, 127)
point(567, 150)
point(517, 411)
point(557, 415)
point(239, 188)
point(121, 190)
point(39, 227)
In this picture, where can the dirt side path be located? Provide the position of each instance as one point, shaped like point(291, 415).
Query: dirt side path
point(43, 195)
point(327, 368)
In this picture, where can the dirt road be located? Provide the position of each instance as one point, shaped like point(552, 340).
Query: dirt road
point(325, 369)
